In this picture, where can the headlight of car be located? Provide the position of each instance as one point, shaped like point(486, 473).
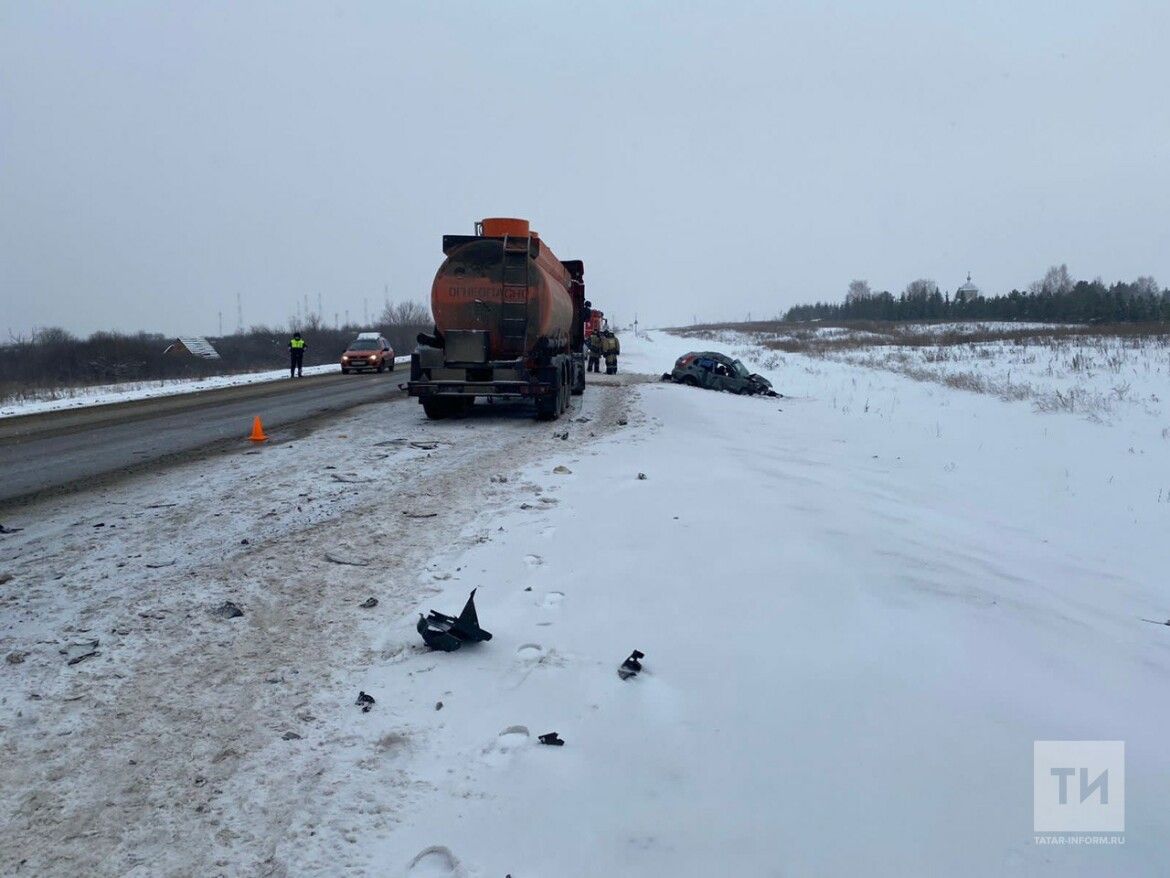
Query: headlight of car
point(373, 357)
point(345, 359)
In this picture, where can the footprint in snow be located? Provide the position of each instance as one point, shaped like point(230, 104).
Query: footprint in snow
point(436, 861)
point(509, 740)
point(553, 599)
point(533, 560)
point(531, 657)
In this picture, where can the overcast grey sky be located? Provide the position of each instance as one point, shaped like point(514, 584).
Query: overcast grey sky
point(702, 158)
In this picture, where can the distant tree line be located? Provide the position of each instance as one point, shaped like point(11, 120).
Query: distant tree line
point(1056, 298)
point(55, 358)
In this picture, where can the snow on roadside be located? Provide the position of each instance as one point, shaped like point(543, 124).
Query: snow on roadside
point(859, 604)
point(859, 609)
point(107, 394)
point(189, 743)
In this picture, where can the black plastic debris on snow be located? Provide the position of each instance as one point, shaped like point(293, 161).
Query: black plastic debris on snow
point(631, 666)
point(364, 701)
point(369, 603)
point(10, 530)
point(552, 739)
point(1152, 622)
point(448, 633)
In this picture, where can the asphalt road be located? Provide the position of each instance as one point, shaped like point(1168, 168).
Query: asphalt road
point(59, 451)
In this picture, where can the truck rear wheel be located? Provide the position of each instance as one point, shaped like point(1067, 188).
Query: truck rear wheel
point(549, 406)
point(438, 409)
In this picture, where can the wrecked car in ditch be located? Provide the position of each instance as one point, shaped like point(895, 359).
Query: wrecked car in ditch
point(716, 371)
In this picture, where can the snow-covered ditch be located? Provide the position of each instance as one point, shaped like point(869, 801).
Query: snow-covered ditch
point(860, 605)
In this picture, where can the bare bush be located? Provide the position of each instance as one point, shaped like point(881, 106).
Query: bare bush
point(406, 314)
point(965, 381)
point(1056, 281)
point(859, 291)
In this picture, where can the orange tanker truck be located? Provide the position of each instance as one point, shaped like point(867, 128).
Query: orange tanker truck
point(509, 322)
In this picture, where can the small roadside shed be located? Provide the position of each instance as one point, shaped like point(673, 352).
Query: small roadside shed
point(192, 346)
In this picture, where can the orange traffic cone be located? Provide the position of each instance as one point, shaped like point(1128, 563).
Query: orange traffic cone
point(258, 431)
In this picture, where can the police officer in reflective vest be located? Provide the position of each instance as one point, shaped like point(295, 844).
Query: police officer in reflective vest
point(296, 354)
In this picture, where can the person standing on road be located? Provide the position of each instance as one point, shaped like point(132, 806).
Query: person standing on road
point(593, 345)
point(296, 356)
point(611, 348)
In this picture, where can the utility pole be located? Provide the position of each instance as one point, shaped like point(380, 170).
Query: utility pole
point(366, 310)
point(239, 315)
point(320, 310)
point(221, 324)
point(336, 324)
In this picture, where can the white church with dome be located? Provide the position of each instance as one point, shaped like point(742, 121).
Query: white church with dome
point(967, 292)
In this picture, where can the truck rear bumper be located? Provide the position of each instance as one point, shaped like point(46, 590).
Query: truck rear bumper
point(523, 389)
point(432, 376)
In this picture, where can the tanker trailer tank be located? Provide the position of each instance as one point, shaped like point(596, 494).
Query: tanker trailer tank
point(508, 323)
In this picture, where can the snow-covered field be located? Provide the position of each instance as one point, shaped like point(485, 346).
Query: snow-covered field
point(1109, 378)
point(860, 606)
point(1118, 379)
point(105, 394)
